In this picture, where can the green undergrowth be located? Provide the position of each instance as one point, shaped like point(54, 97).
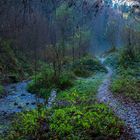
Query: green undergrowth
point(81, 118)
point(87, 66)
point(82, 90)
point(126, 81)
point(46, 80)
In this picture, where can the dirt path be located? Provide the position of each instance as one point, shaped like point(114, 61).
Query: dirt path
point(18, 99)
point(128, 112)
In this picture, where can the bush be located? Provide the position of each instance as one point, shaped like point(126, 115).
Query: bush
point(65, 80)
point(127, 86)
point(126, 81)
point(127, 56)
point(87, 122)
point(46, 80)
point(27, 125)
point(87, 66)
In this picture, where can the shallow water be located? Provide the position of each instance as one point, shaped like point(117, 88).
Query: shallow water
point(128, 112)
point(18, 99)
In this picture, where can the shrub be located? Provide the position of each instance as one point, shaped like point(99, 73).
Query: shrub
point(65, 80)
point(126, 85)
point(126, 78)
point(87, 66)
point(88, 122)
point(46, 80)
point(127, 56)
point(28, 125)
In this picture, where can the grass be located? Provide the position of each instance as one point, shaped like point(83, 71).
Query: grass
point(82, 118)
point(126, 81)
point(82, 90)
point(127, 84)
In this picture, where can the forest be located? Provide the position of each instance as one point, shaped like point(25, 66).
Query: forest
point(69, 70)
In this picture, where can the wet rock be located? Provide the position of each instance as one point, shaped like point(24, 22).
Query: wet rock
point(33, 103)
point(27, 103)
point(19, 107)
point(4, 113)
point(15, 104)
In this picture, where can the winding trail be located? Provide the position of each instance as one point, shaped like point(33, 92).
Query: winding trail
point(18, 99)
point(128, 112)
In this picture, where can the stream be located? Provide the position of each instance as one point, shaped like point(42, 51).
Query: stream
point(18, 99)
point(128, 112)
